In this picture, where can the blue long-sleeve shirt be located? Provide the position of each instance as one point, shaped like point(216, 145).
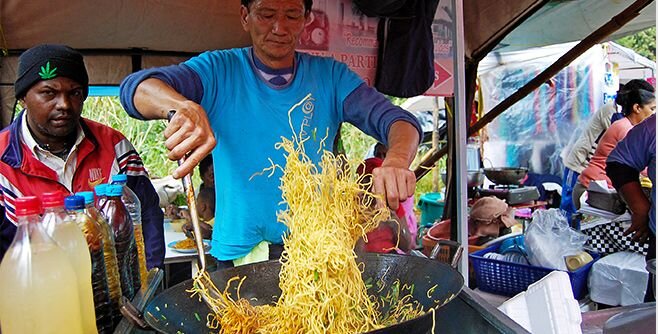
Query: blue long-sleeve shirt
point(249, 115)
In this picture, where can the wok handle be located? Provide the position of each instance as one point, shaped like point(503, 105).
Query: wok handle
point(134, 316)
point(450, 245)
point(132, 313)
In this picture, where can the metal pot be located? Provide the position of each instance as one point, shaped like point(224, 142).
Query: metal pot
point(474, 178)
point(506, 175)
point(174, 311)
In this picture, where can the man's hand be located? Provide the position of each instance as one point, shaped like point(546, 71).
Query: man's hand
point(639, 206)
point(639, 227)
point(206, 230)
point(188, 133)
point(394, 181)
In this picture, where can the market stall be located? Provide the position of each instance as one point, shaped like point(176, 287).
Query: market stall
point(107, 35)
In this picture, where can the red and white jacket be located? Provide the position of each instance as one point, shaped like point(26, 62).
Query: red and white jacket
point(102, 153)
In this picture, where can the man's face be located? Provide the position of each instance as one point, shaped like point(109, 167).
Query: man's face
point(53, 108)
point(274, 26)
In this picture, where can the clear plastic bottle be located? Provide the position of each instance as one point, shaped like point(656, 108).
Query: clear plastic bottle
point(37, 280)
point(75, 207)
point(110, 254)
point(71, 239)
point(134, 207)
point(124, 240)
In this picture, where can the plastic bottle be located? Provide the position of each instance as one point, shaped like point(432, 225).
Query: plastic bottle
point(134, 207)
point(124, 240)
point(109, 253)
point(75, 207)
point(71, 239)
point(101, 195)
point(37, 280)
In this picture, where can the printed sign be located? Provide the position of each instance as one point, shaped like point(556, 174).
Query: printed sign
point(336, 28)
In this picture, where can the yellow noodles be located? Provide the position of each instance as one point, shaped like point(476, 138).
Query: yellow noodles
point(320, 280)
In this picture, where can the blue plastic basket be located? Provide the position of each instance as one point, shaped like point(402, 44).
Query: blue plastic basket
point(508, 278)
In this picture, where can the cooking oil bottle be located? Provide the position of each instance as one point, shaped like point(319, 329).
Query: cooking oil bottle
point(75, 206)
point(134, 207)
point(109, 253)
point(124, 240)
point(68, 236)
point(37, 281)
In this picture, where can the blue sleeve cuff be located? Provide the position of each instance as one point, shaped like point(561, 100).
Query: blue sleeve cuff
point(374, 114)
point(180, 77)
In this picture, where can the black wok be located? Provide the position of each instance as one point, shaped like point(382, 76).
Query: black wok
point(506, 175)
point(173, 310)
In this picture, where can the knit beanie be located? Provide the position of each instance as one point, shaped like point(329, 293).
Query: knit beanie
point(49, 61)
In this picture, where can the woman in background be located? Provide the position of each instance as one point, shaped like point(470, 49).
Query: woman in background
point(637, 105)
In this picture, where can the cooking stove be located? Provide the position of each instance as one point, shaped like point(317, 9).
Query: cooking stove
point(512, 194)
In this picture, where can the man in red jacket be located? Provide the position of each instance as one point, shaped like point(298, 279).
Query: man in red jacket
point(50, 147)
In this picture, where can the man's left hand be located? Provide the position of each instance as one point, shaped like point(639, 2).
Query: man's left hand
point(394, 181)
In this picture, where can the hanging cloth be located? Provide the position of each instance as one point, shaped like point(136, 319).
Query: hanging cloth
point(405, 58)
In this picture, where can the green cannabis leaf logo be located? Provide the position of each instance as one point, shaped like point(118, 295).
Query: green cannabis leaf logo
point(47, 73)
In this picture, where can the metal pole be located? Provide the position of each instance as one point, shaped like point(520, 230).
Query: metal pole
point(435, 143)
point(461, 125)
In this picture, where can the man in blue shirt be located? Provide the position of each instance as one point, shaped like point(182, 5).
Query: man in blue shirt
point(244, 100)
point(634, 153)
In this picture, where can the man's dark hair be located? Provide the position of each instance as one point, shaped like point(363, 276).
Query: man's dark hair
point(308, 4)
point(205, 164)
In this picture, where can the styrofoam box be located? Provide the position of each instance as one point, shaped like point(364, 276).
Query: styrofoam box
point(547, 306)
point(619, 279)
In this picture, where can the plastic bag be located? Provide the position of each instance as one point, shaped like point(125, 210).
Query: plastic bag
point(549, 239)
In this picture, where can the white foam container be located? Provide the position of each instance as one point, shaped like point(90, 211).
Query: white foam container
point(546, 307)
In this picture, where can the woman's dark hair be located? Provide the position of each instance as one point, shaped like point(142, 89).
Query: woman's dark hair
point(629, 98)
point(308, 4)
point(632, 85)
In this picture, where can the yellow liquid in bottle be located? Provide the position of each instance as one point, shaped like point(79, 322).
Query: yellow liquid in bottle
point(100, 290)
point(111, 265)
point(40, 296)
point(141, 253)
point(69, 237)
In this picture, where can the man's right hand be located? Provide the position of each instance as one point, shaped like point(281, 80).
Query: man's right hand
point(188, 133)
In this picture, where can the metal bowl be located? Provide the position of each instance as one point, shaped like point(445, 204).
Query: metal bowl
point(506, 175)
point(475, 178)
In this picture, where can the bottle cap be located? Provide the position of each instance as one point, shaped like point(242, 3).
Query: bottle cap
point(52, 199)
point(87, 195)
point(28, 205)
point(74, 202)
point(119, 178)
point(101, 190)
point(114, 190)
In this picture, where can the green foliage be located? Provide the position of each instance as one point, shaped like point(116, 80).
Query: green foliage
point(643, 42)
